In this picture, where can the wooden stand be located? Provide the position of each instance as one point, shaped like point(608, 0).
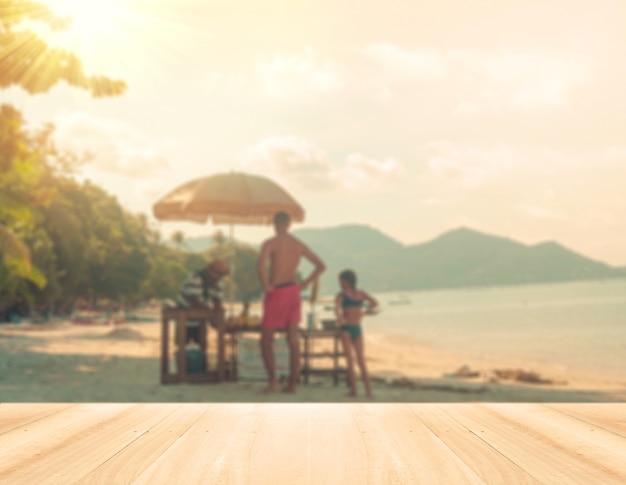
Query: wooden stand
point(226, 346)
point(309, 337)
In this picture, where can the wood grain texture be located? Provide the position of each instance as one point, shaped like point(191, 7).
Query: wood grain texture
point(488, 464)
point(250, 443)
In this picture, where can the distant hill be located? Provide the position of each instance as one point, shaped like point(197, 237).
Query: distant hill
point(464, 257)
point(459, 258)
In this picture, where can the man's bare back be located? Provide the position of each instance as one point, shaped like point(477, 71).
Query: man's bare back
point(284, 253)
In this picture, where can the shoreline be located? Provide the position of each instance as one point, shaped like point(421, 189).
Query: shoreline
point(65, 362)
point(435, 363)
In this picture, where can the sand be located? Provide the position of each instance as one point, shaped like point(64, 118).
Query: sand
point(66, 362)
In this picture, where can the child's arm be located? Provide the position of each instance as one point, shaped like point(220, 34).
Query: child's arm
point(372, 304)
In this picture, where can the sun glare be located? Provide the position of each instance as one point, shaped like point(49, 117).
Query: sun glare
point(88, 13)
point(99, 30)
point(89, 16)
point(117, 37)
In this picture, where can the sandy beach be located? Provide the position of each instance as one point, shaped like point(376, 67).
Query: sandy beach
point(65, 362)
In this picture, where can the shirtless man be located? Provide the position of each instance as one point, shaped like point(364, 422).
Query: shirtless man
point(281, 305)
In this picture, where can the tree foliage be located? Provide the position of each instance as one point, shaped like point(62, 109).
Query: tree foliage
point(243, 283)
point(62, 240)
point(30, 63)
point(72, 240)
point(21, 192)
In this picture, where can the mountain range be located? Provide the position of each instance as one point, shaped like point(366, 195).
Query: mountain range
point(459, 258)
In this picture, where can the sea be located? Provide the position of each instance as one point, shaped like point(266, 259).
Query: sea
point(581, 325)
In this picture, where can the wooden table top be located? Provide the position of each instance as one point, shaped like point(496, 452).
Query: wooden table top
point(269, 443)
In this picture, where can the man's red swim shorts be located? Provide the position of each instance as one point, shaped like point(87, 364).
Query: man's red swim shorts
point(281, 307)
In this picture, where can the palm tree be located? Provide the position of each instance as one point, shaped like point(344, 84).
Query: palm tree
point(180, 240)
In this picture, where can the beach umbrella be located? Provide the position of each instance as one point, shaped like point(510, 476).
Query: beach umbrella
point(228, 198)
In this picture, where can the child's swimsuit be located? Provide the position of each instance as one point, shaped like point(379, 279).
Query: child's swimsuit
point(353, 329)
point(349, 302)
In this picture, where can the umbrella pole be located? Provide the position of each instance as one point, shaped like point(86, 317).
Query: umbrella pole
point(232, 271)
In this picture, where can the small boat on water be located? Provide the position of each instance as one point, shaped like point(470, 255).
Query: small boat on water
point(400, 299)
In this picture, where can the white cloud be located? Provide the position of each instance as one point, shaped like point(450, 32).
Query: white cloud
point(224, 83)
point(436, 201)
point(423, 63)
point(542, 193)
point(539, 212)
point(474, 165)
point(151, 189)
point(363, 172)
point(530, 79)
point(510, 79)
point(616, 154)
point(292, 159)
point(116, 147)
point(471, 166)
point(286, 76)
point(299, 162)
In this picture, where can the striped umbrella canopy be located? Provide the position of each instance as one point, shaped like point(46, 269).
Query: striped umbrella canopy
point(228, 198)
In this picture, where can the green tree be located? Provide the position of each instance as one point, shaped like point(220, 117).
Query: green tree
point(178, 238)
point(243, 281)
point(20, 192)
point(247, 284)
point(28, 62)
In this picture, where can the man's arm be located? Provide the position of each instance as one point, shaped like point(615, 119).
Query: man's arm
point(319, 266)
point(216, 294)
point(260, 266)
point(339, 309)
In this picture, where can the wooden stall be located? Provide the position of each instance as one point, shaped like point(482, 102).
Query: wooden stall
point(321, 352)
point(312, 356)
point(176, 351)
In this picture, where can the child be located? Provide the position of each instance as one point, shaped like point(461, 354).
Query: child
point(349, 308)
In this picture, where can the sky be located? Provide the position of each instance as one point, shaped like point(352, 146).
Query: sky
point(412, 117)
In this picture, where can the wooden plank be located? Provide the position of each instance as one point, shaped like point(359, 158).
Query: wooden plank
point(594, 446)
point(14, 415)
point(596, 414)
point(545, 453)
point(214, 450)
point(80, 417)
point(401, 449)
point(490, 465)
point(128, 463)
point(67, 446)
point(308, 444)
